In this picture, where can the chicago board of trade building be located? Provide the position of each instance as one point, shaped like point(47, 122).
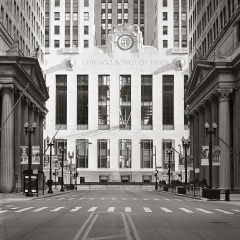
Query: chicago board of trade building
point(116, 109)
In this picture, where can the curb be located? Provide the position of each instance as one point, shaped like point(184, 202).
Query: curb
point(182, 195)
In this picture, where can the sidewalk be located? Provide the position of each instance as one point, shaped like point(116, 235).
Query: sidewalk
point(18, 197)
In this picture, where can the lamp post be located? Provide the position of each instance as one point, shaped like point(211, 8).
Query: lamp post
point(185, 144)
point(210, 132)
point(156, 171)
point(169, 153)
point(50, 144)
point(71, 157)
point(29, 131)
point(62, 151)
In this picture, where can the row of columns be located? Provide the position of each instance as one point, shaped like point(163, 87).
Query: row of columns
point(13, 136)
point(216, 109)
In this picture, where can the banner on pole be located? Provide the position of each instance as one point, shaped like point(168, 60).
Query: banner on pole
point(216, 153)
point(181, 165)
point(35, 155)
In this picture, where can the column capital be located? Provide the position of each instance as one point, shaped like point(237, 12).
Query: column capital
point(213, 100)
point(206, 105)
point(7, 86)
point(223, 94)
point(33, 106)
point(201, 108)
point(27, 100)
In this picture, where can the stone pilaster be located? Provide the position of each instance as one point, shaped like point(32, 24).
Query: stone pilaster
point(7, 142)
point(41, 119)
point(201, 138)
point(224, 134)
point(214, 118)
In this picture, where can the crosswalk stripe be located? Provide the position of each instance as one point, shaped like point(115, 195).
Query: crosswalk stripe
point(22, 210)
point(223, 211)
point(235, 210)
point(71, 198)
point(202, 210)
point(178, 200)
point(128, 209)
point(165, 209)
point(134, 199)
point(75, 209)
point(60, 198)
point(15, 208)
point(91, 198)
point(156, 199)
point(111, 209)
point(186, 210)
point(92, 209)
point(102, 198)
point(3, 211)
point(39, 209)
point(123, 198)
point(57, 209)
point(80, 198)
point(145, 199)
point(166, 199)
point(113, 198)
point(146, 209)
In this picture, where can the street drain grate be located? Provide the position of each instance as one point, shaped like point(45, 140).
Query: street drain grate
point(218, 222)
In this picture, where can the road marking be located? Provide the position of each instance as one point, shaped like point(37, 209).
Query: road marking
point(223, 211)
point(145, 199)
point(102, 198)
point(113, 198)
point(71, 198)
point(235, 210)
point(146, 209)
point(60, 198)
point(82, 228)
point(134, 199)
point(75, 209)
point(156, 199)
point(128, 209)
point(123, 198)
point(91, 198)
point(178, 200)
point(165, 209)
point(15, 208)
point(200, 209)
point(111, 209)
point(57, 209)
point(50, 199)
point(92, 209)
point(80, 198)
point(22, 210)
point(3, 211)
point(133, 227)
point(186, 210)
point(39, 209)
point(167, 199)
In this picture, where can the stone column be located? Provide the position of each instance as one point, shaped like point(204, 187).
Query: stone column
point(206, 138)
point(7, 139)
point(41, 119)
point(224, 134)
point(196, 141)
point(19, 131)
point(201, 139)
point(236, 137)
point(214, 118)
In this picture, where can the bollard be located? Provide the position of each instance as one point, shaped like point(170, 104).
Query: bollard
point(227, 195)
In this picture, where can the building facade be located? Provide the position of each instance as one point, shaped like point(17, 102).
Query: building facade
point(116, 106)
point(213, 88)
point(23, 92)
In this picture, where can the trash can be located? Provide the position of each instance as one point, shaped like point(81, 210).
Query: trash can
point(227, 193)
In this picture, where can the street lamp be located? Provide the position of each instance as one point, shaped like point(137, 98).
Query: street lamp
point(169, 153)
point(29, 131)
point(210, 132)
point(185, 144)
point(71, 157)
point(62, 151)
point(50, 144)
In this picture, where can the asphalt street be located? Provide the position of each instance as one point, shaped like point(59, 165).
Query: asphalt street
point(119, 214)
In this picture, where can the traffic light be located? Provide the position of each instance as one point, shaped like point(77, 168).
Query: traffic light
point(156, 173)
point(54, 173)
point(179, 174)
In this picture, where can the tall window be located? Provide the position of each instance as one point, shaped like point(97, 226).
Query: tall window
point(164, 3)
point(125, 102)
point(165, 30)
point(86, 30)
point(103, 153)
point(168, 144)
point(146, 153)
point(168, 102)
point(82, 102)
point(164, 16)
point(103, 102)
point(86, 44)
point(82, 148)
point(146, 102)
point(125, 153)
point(57, 3)
point(86, 3)
point(61, 99)
point(86, 16)
point(56, 30)
point(185, 105)
point(165, 43)
point(57, 15)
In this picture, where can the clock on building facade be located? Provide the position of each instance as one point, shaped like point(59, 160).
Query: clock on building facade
point(125, 42)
